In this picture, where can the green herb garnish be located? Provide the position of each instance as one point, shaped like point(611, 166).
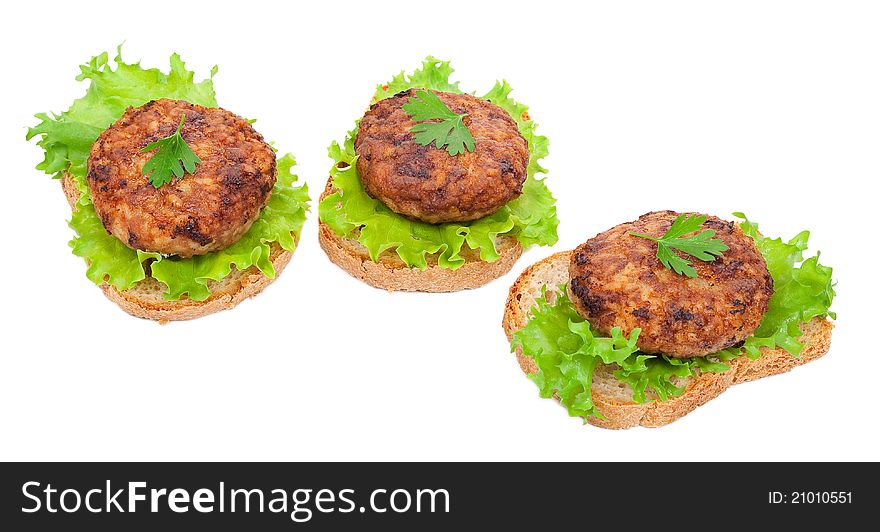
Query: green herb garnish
point(700, 246)
point(167, 161)
point(450, 131)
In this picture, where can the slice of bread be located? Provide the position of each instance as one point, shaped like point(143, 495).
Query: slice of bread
point(614, 398)
point(145, 299)
point(392, 274)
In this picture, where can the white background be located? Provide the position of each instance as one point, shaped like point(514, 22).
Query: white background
point(772, 108)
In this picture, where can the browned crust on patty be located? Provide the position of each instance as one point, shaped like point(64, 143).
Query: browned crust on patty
point(428, 184)
point(613, 398)
point(392, 274)
point(617, 281)
point(206, 211)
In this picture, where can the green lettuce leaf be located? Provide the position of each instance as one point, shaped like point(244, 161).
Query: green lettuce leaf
point(108, 258)
point(567, 351)
point(350, 212)
point(802, 290)
point(434, 75)
point(657, 374)
point(67, 138)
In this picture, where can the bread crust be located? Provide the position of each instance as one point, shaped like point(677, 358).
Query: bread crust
point(392, 274)
point(145, 299)
point(612, 398)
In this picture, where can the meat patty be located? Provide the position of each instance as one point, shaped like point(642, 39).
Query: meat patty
point(195, 214)
point(428, 184)
point(617, 280)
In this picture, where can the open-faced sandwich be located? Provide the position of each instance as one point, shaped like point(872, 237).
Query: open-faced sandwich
point(180, 208)
point(436, 190)
point(647, 321)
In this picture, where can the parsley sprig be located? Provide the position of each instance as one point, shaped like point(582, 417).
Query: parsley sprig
point(701, 245)
point(173, 151)
point(450, 131)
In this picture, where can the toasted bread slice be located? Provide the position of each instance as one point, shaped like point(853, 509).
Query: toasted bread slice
point(392, 274)
point(145, 299)
point(614, 398)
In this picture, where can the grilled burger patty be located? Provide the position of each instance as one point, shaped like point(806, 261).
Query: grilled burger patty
point(198, 213)
point(428, 184)
point(617, 280)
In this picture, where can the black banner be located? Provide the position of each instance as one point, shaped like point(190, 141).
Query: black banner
point(318, 496)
